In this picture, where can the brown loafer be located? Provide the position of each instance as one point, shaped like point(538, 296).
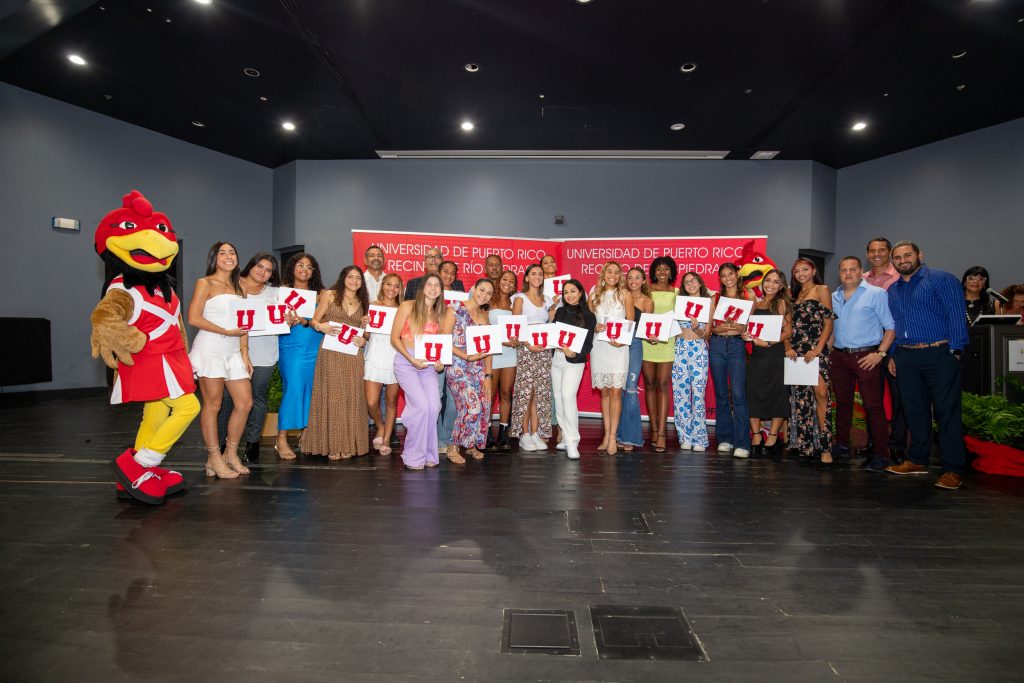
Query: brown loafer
point(907, 467)
point(949, 480)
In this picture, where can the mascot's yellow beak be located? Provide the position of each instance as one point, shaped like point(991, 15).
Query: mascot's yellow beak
point(751, 274)
point(145, 250)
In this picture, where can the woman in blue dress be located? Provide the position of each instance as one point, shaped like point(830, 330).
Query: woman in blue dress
point(297, 355)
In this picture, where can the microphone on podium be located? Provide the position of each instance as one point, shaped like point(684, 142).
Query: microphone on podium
point(996, 295)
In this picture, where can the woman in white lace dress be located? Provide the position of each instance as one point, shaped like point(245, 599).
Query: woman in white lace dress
point(609, 361)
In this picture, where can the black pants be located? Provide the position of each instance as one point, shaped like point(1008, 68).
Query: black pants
point(931, 377)
point(898, 423)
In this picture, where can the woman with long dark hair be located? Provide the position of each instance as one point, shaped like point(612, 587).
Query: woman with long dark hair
point(337, 411)
point(258, 280)
point(418, 378)
point(297, 353)
point(630, 433)
point(728, 356)
point(767, 393)
point(567, 365)
point(976, 296)
point(810, 431)
point(690, 374)
point(469, 376)
point(531, 401)
point(220, 358)
point(658, 356)
point(503, 366)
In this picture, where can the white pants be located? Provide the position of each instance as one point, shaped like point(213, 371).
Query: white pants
point(565, 382)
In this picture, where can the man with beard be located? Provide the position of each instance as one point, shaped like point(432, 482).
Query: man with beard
point(882, 274)
point(931, 332)
point(374, 273)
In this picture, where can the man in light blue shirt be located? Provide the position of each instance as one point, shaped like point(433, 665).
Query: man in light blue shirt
point(862, 335)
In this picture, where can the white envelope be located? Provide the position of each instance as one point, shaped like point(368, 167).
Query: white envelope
point(273, 318)
point(765, 327)
point(617, 330)
point(698, 307)
point(543, 334)
point(302, 300)
point(380, 319)
point(244, 314)
point(733, 310)
point(343, 340)
point(798, 373)
point(453, 298)
point(655, 324)
point(553, 285)
point(484, 339)
point(513, 326)
point(571, 336)
point(434, 347)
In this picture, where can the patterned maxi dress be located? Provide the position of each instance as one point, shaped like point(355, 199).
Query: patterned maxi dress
point(689, 385)
point(465, 384)
point(533, 377)
point(805, 434)
point(337, 409)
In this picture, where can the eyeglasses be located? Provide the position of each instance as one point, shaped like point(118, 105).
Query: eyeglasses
point(976, 277)
point(263, 269)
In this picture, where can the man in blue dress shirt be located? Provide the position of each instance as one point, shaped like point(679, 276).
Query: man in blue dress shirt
point(931, 332)
point(863, 334)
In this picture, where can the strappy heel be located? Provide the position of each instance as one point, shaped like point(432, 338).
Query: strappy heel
point(231, 457)
point(454, 457)
point(215, 465)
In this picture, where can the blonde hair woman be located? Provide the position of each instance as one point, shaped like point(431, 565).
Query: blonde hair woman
point(609, 360)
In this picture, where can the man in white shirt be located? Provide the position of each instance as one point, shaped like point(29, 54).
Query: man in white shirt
point(374, 273)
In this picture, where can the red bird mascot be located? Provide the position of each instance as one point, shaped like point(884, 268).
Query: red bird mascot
point(138, 331)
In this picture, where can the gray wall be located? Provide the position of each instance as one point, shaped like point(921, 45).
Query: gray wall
point(960, 199)
point(59, 160)
point(598, 198)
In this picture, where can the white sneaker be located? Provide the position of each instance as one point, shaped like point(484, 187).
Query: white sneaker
point(724, 447)
point(741, 453)
point(561, 446)
point(699, 449)
point(572, 452)
point(686, 446)
point(526, 442)
point(539, 443)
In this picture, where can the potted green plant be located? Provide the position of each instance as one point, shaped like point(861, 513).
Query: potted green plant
point(994, 432)
point(274, 394)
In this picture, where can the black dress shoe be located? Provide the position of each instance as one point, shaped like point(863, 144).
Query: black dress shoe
point(757, 451)
point(252, 452)
point(896, 456)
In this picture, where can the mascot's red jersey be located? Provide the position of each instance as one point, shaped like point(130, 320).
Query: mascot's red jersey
point(162, 368)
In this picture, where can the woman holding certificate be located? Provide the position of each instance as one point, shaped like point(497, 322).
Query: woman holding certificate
point(659, 355)
point(609, 360)
point(810, 428)
point(531, 399)
point(503, 365)
point(379, 370)
point(690, 374)
point(297, 353)
point(630, 434)
point(767, 393)
point(337, 413)
point(567, 365)
point(728, 356)
point(469, 377)
point(418, 378)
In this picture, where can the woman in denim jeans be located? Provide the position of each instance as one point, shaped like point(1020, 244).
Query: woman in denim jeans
point(630, 433)
point(729, 372)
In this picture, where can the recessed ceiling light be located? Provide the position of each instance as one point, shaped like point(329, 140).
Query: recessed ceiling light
point(148, 9)
point(288, 125)
point(108, 97)
point(748, 91)
point(689, 67)
point(583, 2)
point(885, 94)
point(961, 87)
point(959, 53)
point(677, 126)
point(75, 59)
point(540, 96)
point(467, 126)
point(167, 20)
point(251, 72)
point(859, 126)
point(204, 2)
point(199, 124)
point(262, 98)
point(472, 68)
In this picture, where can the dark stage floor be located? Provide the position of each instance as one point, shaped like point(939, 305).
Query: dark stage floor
point(363, 571)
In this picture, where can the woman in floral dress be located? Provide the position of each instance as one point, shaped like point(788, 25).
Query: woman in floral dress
point(469, 376)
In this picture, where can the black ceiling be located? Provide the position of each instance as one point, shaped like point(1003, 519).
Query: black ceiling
point(357, 76)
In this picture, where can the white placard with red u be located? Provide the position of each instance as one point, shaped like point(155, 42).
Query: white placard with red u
point(543, 334)
point(273, 318)
point(302, 300)
point(733, 310)
point(698, 307)
point(433, 348)
point(553, 285)
point(343, 341)
point(570, 336)
point(485, 339)
point(617, 330)
point(244, 314)
point(453, 298)
point(513, 327)
point(380, 319)
point(765, 327)
point(655, 326)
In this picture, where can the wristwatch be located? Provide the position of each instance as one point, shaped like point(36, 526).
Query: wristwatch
point(488, 375)
point(881, 353)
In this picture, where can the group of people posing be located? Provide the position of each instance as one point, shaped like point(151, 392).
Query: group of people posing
point(853, 333)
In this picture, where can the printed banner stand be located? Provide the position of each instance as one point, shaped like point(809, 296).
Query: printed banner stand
point(698, 307)
point(302, 300)
point(733, 310)
point(570, 336)
point(342, 342)
point(484, 339)
point(380, 319)
point(765, 327)
point(433, 348)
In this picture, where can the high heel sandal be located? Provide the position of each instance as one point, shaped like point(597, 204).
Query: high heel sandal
point(757, 449)
point(215, 466)
point(771, 450)
point(287, 454)
point(378, 443)
point(475, 453)
point(659, 444)
point(453, 455)
point(230, 456)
